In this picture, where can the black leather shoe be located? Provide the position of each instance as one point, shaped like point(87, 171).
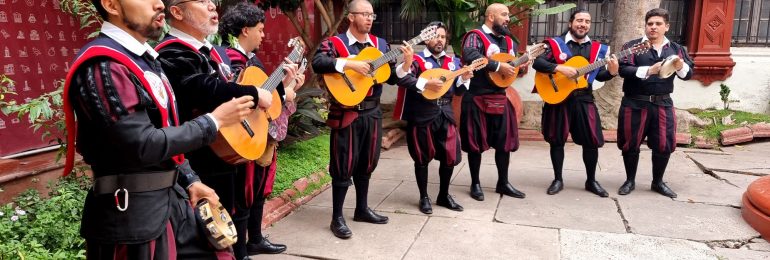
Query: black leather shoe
point(555, 187)
point(340, 228)
point(476, 192)
point(448, 202)
point(597, 189)
point(627, 188)
point(369, 216)
point(425, 206)
point(508, 190)
point(663, 189)
point(264, 247)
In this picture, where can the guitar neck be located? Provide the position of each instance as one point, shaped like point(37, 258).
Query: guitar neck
point(601, 62)
point(392, 54)
point(454, 74)
point(278, 75)
point(521, 60)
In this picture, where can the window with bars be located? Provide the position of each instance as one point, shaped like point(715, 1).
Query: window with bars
point(391, 27)
point(601, 11)
point(750, 26)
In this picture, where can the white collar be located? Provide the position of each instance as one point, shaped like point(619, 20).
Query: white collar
point(568, 38)
point(427, 53)
point(238, 47)
point(665, 40)
point(486, 29)
point(189, 39)
point(127, 41)
point(352, 39)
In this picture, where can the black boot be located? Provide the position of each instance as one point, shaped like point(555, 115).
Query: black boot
point(595, 188)
point(630, 162)
point(502, 160)
point(627, 188)
point(363, 213)
point(339, 228)
point(556, 187)
point(368, 215)
point(557, 161)
point(421, 175)
point(264, 247)
point(659, 163)
point(474, 163)
point(448, 202)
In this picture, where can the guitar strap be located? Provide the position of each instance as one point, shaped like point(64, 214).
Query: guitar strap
point(164, 105)
point(489, 47)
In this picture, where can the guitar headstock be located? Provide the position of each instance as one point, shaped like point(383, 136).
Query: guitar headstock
point(641, 47)
point(426, 34)
point(537, 50)
point(478, 64)
point(297, 44)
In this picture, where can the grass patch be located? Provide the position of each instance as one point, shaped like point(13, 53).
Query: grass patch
point(712, 130)
point(299, 160)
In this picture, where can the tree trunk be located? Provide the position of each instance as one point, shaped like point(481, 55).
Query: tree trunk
point(608, 97)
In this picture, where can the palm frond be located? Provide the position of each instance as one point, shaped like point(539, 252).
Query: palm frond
point(411, 9)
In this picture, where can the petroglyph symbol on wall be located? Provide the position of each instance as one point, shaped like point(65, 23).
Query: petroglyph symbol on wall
point(26, 87)
point(23, 53)
point(61, 36)
point(5, 34)
point(39, 69)
point(7, 52)
point(53, 68)
point(45, 19)
point(30, 3)
point(43, 3)
point(33, 35)
point(31, 18)
point(2, 122)
point(51, 52)
point(20, 36)
point(36, 51)
point(74, 36)
point(3, 17)
point(58, 20)
point(48, 36)
point(24, 69)
point(56, 4)
point(8, 69)
point(17, 17)
point(63, 51)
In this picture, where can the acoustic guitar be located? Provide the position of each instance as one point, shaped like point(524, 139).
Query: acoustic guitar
point(554, 88)
point(448, 77)
point(350, 88)
point(246, 141)
point(277, 128)
point(503, 81)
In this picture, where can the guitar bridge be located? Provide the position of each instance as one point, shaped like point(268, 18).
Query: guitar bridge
point(246, 126)
point(348, 83)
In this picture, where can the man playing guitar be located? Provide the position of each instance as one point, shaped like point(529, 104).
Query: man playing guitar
point(577, 115)
point(356, 133)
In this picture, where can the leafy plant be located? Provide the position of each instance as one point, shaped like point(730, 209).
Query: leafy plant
point(43, 112)
point(311, 112)
point(724, 94)
point(35, 228)
point(85, 12)
point(462, 16)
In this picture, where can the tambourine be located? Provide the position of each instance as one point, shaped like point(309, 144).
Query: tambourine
point(667, 68)
point(217, 224)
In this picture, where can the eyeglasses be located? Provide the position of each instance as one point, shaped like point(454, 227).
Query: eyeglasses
point(203, 2)
point(366, 15)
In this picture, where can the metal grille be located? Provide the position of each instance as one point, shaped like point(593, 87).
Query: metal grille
point(602, 11)
point(750, 27)
point(391, 27)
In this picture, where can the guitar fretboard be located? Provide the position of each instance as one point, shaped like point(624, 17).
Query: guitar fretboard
point(601, 62)
point(278, 74)
point(392, 54)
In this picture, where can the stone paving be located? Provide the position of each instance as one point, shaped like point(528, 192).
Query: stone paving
point(704, 222)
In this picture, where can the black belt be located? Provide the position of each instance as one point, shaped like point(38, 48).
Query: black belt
point(650, 98)
point(442, 101)
point(364, 105)
point(135, 182)
point(580, 92)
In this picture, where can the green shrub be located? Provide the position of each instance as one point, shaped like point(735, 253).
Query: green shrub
point(35, 228)
point(299, 160)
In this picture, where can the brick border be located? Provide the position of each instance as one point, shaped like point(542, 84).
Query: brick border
point(279, 207)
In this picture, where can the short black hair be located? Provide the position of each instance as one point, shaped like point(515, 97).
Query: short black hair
point(656, 12)
point(100, 9)
point(578, 11)
point(242, 15)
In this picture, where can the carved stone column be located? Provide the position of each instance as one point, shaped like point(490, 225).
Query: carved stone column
point(708, 40)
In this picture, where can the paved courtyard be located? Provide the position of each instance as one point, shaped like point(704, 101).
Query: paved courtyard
point(704, 222)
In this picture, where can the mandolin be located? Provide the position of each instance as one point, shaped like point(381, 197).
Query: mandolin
point(448, 77)
point(503, 81)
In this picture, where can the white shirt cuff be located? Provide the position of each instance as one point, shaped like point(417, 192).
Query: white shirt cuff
point(463, 83)
point(498, 67)
point(339, 65)
point(400, 73)
point(683, 72)
point(421, 84)
point(641, 72)
point(213, 119)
